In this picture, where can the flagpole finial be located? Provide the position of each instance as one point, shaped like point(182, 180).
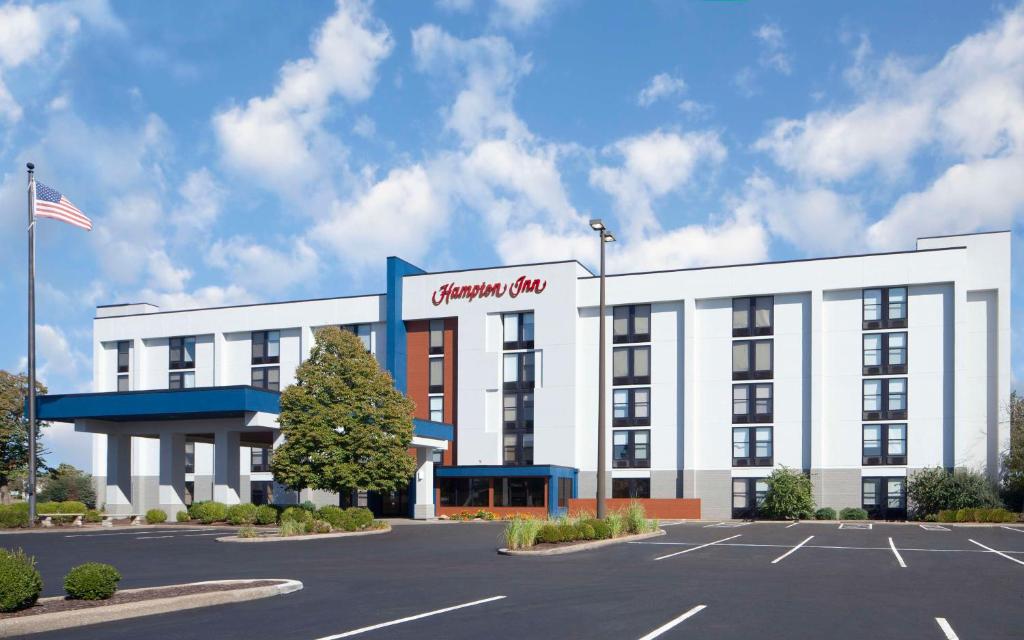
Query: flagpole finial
point(31, 167)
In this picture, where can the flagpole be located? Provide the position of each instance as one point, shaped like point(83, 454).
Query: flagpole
point(31, 345)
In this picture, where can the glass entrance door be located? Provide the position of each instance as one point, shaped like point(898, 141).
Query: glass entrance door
point(884, 498)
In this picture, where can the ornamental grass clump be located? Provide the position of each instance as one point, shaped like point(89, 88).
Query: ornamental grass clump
point(616, 522)
point(521, 533)
point(292, 528)
point(248, 531)
point(636, 519)
point(20, 582)
point(91, 581)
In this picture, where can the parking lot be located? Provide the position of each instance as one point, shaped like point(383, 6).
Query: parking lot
point(701, 580)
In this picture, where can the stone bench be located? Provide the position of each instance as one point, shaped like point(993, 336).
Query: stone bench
point(47, 518)
point(137, 518)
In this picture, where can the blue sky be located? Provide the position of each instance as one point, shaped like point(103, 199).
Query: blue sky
point(248, 151)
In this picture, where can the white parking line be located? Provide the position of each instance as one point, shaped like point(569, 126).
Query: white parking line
point(817, 546)
point(994, 551)
point(726, 525)
point(152, 537)
point(671, 623)
point(899, 558)
point(410, 618)
point(856, 526)
point(196, 535)
point(122, 533)
point(1012, 528)
point(697, 548)
point(946, 629)
point(933, 527)
point(792, 525)
point(776, 560)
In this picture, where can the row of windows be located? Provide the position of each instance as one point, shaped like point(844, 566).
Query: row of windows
point(259, 460)
point(508, 492)
point(881, 497)
point(519, 374)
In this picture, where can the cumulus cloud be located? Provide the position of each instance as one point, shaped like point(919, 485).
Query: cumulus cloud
point(201, 201)
point(519, 14)
point(774, 54)
point(258, 266)
point(660, 86)
point(209, 296)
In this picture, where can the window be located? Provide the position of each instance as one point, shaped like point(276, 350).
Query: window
point(436, 336)
point(564, 491)
point(260, 460)
point(517, 330)
point(268, 378)
point(631, 407)
point(362, 331)
point(190, 457)
point(122, 382)
point(436, 382)
point(753, 316)
point(752, 403)
point(518, 448)
point(517, 411)
point(747, 496)
point(262, 492)
point(181, 380)
point(631, 449)
point(519, 370)
point(751, 359)
point(465, 492)
point(631, 365)
point(752, 447)
point(631, 488)
point(885, 308)
point(885, 399)
point(631, 323)
point(885, 444)
point(437, 456)
point(266, 347)
point(437, 408)
point(182, 353)
point(123, 354)
point(884, 498)
point(519, 492)
point(885, 353)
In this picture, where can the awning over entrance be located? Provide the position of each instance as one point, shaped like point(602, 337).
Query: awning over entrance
point(175, 404)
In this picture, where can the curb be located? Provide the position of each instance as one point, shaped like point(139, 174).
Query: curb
point(310, 536)
point(24, 625)
point(586, 546)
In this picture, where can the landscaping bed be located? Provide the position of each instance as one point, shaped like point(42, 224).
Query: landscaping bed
point(559, 548)
point(274, 535)
point(576, 532)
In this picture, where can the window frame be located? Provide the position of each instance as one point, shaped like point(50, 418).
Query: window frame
point(631, 419)
point(884, 321)
point(267, 385)
point(631, 378)
point(522, 359)
point(190, 457)
point(431, 410)
point(752, 329)
point(534, 487)
point(881, 509)
point(431, 387)
point(464, 492)
point(355, 330)
point(752, 416)
point(884, 366)
point(751, 496)
point(631, 335)
point(522, 453)
point(884, 458)
point(182, 377)
point(752, 459)
point(752, 373)
point(265, 341)
point(127, 345)
point(633, 488)
point(884, 413)
point(521, 341)
point(630, 460)
point(182, 364)
point(435, 326)
point(259, 462)
point(522, 423)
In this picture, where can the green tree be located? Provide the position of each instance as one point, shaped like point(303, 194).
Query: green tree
point(344, 423)
point(66, 482)
point(789, 494)
point(14, 431)
point(1013, 459)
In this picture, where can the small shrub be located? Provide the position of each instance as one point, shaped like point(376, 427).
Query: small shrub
point(292, 528)
point(789, 494)
point(156, 516)
point(567, 531)
point(363, 517)
point(209, 512)
point(931, 517)
point(550, 533)
point(266, 514)
point(93, 515)
point(91, 581)
point(182, 516)
point(853, 513)
point(585, 531)
point(825, 513)
point(935, 489)
point(521, 533)
point(947, 516)
point(20, 582)
point(309, 506)
point(334, 515)
point(14, 515)
point(296, 514)
point(601, 529)
point(320, 526)
point(71, 506)
point(239, 514)
point(616, 523)
point(248, 531)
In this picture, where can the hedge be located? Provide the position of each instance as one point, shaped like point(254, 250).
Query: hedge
point(156, 516)
point(853, 513)
point(239, 514)
point(20, 582)
point(14, 515)
point(825, 513)
point(266, 514)
point(977, 515)
point(91, 581)
point(208, 512)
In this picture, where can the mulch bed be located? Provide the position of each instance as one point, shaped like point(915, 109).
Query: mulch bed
point(54, 605)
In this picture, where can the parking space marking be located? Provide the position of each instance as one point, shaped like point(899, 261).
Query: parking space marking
point(1012, 528)
point(1011, 558)
point(709, 544)
point(946, 629)
point(899, 558)
point(776, 560)
point(856, 526)
point(675, 621)
point(792, 525)
point(726, 525)
point(815, 546)
point(215, 533)
point(152, 537)
point(120, 533)
point(418, 616)
point(933, 527)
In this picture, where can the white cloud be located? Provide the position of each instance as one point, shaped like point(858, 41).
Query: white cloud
point(774, 54)
point(259, 266)
point(460, 6)
point(364, 127)
point(56, 360)
point(211, 296)
point(654, 165)
point(519, 14)
point(660, 86)
point(279, 139)
point(734, 241)
point(201, 201)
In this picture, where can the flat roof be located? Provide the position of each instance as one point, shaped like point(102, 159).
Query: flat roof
point(227, 306)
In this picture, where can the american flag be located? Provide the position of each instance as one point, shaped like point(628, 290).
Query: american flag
point(51, 203)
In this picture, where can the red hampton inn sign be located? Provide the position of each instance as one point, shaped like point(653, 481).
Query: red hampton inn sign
point(469, 292)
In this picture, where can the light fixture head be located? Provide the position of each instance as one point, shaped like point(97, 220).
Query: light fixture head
point(608, 237)
point(596, 224)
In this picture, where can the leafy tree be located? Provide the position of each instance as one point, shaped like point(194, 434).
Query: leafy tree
point(935, 489)
point(68, 483)
point(789, 494)
point(14, 431)
point(345, 425)
point(1013, 460)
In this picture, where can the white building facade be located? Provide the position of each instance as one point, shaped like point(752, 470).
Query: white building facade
point(857, 370)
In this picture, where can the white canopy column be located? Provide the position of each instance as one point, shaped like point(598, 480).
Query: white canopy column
point(226, 467)
point(172, 473)
point(119, 474)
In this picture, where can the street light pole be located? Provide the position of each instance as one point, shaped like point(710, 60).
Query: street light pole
point(605, 237)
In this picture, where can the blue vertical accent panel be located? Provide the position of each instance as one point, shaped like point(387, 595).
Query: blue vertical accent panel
point(395, 361)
